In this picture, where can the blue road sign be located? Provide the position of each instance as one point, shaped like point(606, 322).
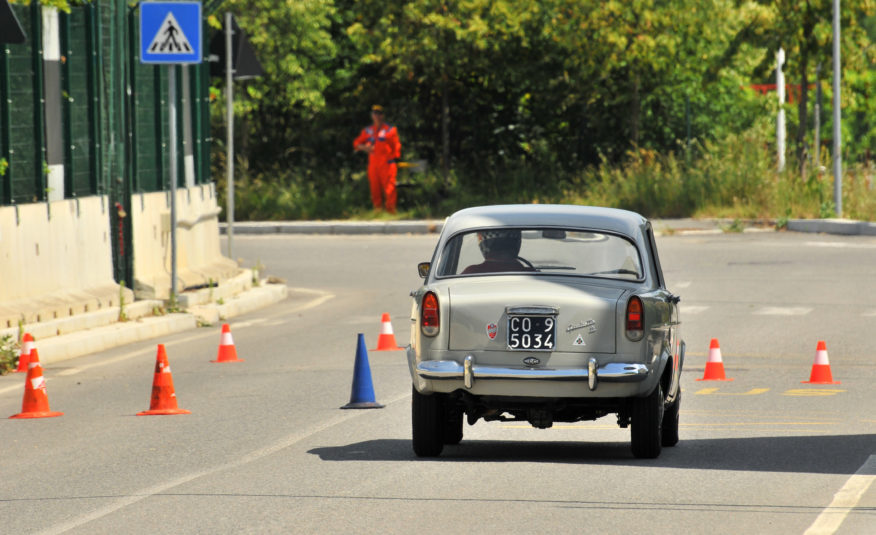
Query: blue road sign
point(170, 32)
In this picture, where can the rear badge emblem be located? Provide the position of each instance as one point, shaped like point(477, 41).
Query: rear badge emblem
point(531, 361)
point(492, 330)
point(579, 341)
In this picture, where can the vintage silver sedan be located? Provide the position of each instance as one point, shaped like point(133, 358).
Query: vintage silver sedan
point(543, 314)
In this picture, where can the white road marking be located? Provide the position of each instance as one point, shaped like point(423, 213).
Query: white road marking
point(692, 310)
point(247, 323)
point(820, 244)
point(783, 311)
point(10, 388)
point(869, 314)
point(700, 232)
point(684, 284)
point(255, 455)
point(841, 244)
point(830, 520)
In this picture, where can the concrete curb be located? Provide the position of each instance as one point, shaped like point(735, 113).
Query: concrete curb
point(434, 226)
point(68, 346)
point(255, 298)
point(88, 341)
point(335, 227)
point(89, 320)
point(842, 227)
point(663, 227)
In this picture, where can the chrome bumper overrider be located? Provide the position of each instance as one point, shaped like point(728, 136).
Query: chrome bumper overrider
point(614, 372)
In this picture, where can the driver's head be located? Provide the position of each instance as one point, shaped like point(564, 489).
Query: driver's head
point(499, 244)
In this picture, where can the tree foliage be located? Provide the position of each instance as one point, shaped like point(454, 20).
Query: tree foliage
point(551, 85)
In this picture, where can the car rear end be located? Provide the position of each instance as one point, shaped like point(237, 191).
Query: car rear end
point(529, 336)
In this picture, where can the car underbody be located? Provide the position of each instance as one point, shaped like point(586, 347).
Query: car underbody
point(539, 412)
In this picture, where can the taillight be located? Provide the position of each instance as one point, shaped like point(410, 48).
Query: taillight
point(430, 315)
point(635, 319)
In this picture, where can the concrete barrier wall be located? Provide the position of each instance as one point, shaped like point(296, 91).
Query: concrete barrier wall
point(198, 254)
point(55, 260)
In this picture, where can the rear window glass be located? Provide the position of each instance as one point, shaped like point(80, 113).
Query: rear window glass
point(554, 251)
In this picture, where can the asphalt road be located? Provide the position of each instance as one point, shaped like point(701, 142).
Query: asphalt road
point(266, 448)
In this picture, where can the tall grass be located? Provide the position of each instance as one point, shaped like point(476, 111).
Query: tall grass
point(733, 177)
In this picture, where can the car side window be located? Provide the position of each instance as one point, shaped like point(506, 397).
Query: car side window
point(652, 244)
point(450, 259)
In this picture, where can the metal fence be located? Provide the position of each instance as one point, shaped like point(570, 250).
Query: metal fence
point(112, 126)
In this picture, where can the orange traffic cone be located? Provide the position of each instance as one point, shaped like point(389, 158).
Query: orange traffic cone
point(24, 355)
point(36, 402)
point(820, 374)
point(386, 340)
point(227, 351)
point(715, 366)
point(163, 396)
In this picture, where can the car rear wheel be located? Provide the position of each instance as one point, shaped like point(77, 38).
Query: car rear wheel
point(647, 423)
point(670, 423)
point(427, 419)
point(453, 420)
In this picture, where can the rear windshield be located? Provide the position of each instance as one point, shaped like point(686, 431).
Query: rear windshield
point(548, 250)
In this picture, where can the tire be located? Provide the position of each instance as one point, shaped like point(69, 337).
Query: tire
point(427, 419)
point(670, 423)
point(453, 420)
point(647, 423)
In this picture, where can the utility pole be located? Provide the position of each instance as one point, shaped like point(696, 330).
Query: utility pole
point(818, 97)
point(229, 133)
point(837, 130)
point(780, 119)
point(817, 155)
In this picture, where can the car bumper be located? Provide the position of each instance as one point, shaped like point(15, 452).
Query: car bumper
point(479, 373)
point(612, 372)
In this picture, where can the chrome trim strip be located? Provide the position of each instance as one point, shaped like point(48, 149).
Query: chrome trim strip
point(614, 372)
point(535, 310)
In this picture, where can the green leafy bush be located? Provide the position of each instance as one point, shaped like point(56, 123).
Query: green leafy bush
point(734, 177)
point(8, 354)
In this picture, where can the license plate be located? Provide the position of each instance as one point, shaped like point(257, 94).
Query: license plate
point(532, 333)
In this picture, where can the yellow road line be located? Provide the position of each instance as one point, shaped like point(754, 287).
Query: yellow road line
point(812, 392)
point(714, 392)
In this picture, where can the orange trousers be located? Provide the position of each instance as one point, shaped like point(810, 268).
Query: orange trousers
point(382, 178)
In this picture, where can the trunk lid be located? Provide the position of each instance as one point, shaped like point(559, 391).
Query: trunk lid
point(586, 321)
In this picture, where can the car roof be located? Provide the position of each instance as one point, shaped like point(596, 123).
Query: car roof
point(547, 215)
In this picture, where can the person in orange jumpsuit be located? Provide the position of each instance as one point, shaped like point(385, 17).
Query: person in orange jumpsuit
point(381, 142)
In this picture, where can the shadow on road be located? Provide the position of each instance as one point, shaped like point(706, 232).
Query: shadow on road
point(821, 454)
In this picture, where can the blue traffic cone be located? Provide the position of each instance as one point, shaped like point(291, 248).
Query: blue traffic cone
point(362, 394)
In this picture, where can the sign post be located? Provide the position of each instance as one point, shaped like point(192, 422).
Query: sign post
point(170, 34)
point(233, 58)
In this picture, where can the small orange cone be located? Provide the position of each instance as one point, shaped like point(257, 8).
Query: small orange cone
point(715, 366)
point(820, 374)
point(36, 402)
point(24, 355)
point(386, 340)
point(163, 396)
point(227, 351)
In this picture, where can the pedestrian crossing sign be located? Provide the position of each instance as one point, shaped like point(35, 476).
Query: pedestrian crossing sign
point(170, 32)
